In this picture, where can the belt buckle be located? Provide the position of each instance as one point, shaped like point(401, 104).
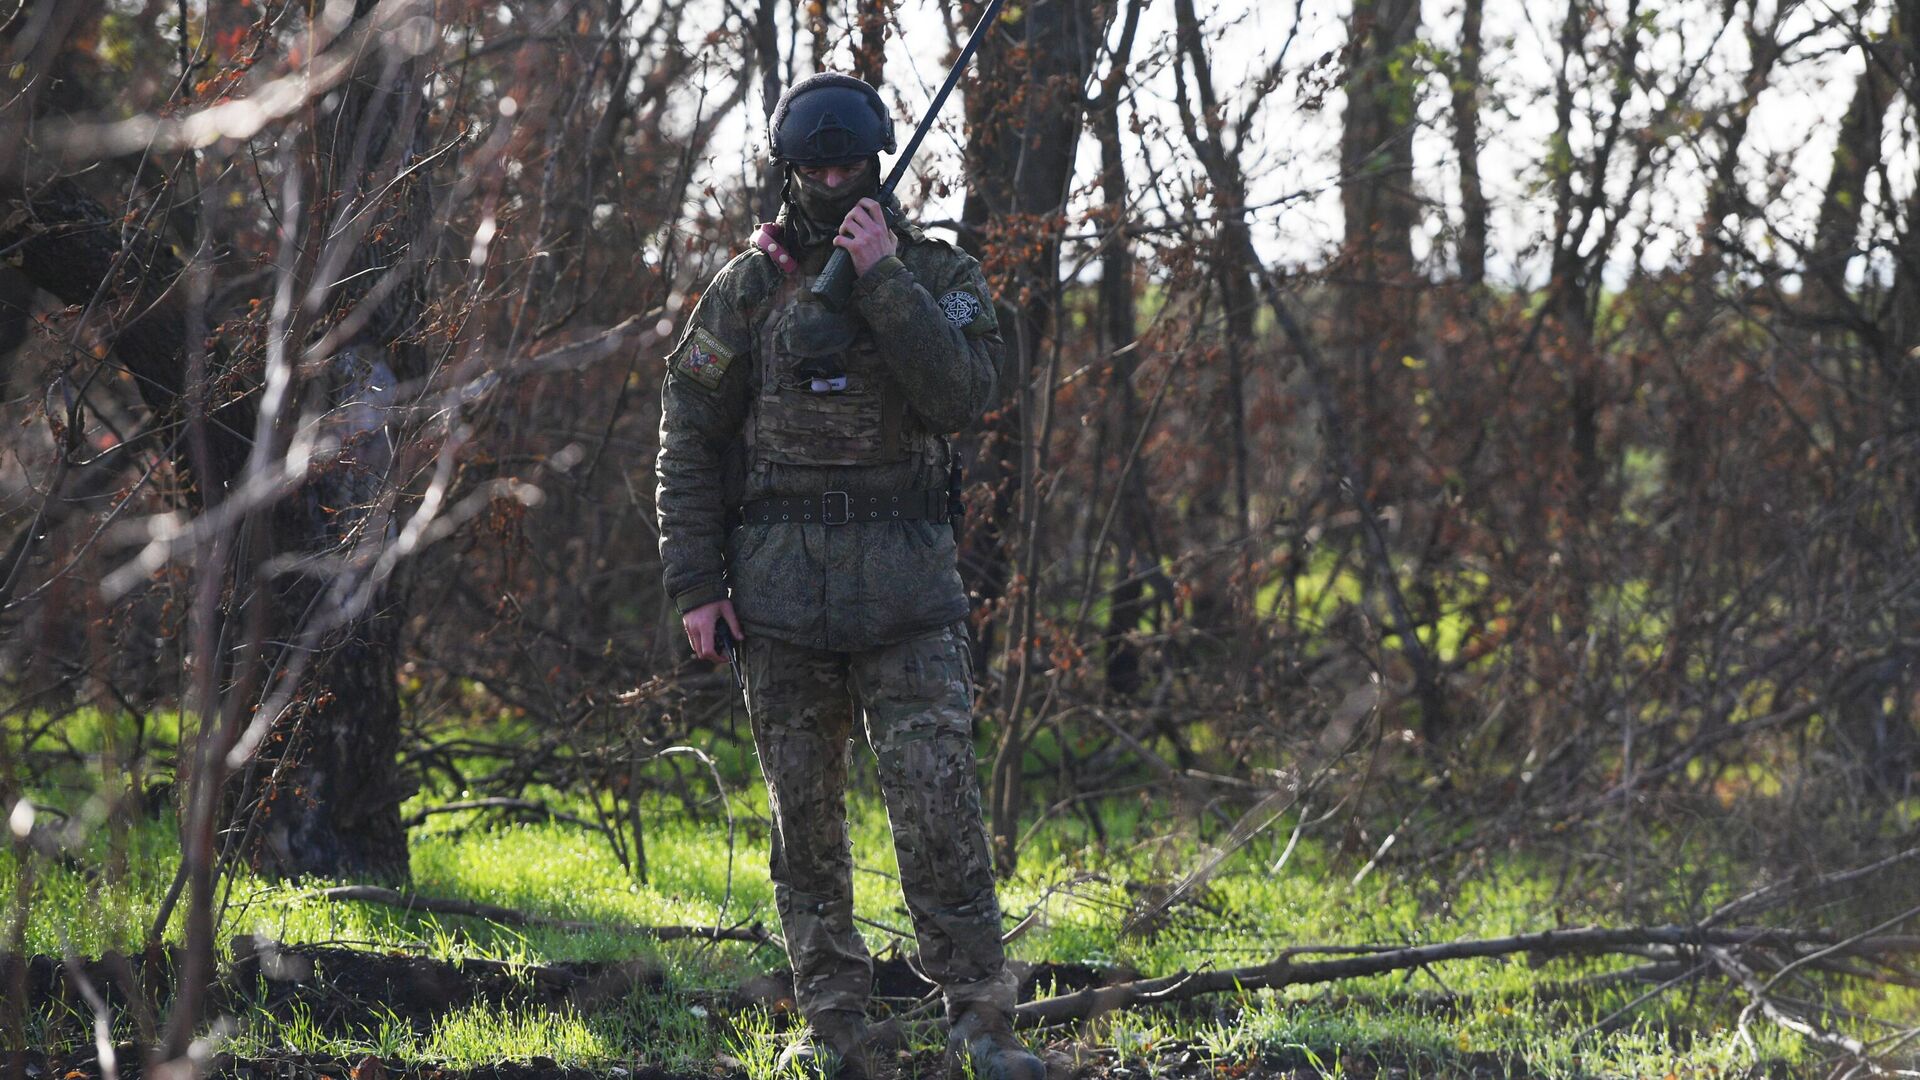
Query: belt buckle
point(826, 508)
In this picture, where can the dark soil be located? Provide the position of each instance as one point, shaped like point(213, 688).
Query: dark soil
point(42, 1066)
point(348, 991)
point(1173, 1063)
point(345, 989)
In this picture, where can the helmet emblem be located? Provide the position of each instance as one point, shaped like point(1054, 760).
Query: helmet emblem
point(831, 139)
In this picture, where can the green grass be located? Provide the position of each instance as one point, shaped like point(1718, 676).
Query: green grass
point(666, 1031)
point(1250, 913)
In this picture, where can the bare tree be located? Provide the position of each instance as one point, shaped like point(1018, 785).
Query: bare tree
point(1136, 552)
point(1467, 93)
point(1856, 152)
point(1024, 118)
point(1376, 179)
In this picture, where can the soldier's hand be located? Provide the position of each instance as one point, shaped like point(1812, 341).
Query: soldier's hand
point(865, 235)
point(699, 624)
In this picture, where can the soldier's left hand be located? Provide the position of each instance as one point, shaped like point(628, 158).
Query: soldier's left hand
point(865, 235)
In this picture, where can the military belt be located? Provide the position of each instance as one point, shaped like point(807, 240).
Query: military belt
point(840, 508)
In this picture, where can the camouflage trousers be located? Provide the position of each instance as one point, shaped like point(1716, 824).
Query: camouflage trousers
point(916, 699)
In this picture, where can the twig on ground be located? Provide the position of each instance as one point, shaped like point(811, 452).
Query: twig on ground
point(1781, 892)
point(1750, 982)
point(415, 820)
point(720, 785)
point(1039, 908)
point(373, 894)
point(1285, 971)
point(1605, 1023)
point(1839, 946)
point(76, 971)
point(883, 928)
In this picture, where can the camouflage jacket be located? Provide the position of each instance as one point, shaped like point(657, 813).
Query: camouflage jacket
point(927, 317)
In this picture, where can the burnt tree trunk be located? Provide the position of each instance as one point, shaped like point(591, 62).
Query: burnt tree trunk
point(323, 796)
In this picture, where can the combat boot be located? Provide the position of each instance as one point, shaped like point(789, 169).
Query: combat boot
point(984, 1037)
point(834, 1047)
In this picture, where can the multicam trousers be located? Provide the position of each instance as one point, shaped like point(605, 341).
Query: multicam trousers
point(916, 699)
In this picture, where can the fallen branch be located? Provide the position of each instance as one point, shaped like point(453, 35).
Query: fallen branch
point(1285, 970)
point(1782, 892)
point(1750, 982)
point(419, 818)
point(373, 894)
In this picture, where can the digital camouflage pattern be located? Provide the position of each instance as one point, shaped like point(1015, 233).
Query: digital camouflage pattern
point(826, 396)
point(916, 698)
point(920, 362)
point(859, 617)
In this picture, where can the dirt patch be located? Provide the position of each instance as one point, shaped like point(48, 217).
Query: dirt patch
point(347, 988)
point(42, 1066)
point(354, 990)
point(128, 983)
point(348, 991)
point(1174, 1062)
point(345, 991)
point(1046, 980)
point(1170, 1062)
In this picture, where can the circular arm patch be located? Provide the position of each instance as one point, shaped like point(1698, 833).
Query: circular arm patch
point(960, 307)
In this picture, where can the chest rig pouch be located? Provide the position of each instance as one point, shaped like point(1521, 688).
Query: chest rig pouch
point(825, 395)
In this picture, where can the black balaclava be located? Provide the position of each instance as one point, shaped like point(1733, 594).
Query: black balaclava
point(811, 212)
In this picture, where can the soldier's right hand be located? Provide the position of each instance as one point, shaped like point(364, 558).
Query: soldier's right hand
point(699, 624)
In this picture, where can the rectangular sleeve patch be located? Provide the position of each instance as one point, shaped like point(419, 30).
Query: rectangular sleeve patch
point(703, 358)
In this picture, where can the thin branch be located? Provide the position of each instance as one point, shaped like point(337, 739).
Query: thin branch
point(1283, 971)
point(505, 916)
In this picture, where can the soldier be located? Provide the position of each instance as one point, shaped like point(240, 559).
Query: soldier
point(818, 435)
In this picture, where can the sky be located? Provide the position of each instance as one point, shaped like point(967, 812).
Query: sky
point(1293, 160)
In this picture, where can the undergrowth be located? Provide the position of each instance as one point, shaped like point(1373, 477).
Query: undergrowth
point(1464, 1018)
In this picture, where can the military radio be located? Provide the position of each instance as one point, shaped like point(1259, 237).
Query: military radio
point(834, 286)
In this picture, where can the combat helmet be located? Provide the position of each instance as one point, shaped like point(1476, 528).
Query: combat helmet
point(829, 118)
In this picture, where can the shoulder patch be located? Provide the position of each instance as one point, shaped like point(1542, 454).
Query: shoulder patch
point(960, 307)
point(703, 358)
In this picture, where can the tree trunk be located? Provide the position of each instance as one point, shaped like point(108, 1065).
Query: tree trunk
point(1376, 182)
point(1214, 598)
point(1902, 335)
point(766, 55)
point(870, 57)
point(1376, 297)
point(325, 795)
point(1024, 113)
point(1466, 148)
point(820, 24)
point(1135, 552)
point(1855, 153)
